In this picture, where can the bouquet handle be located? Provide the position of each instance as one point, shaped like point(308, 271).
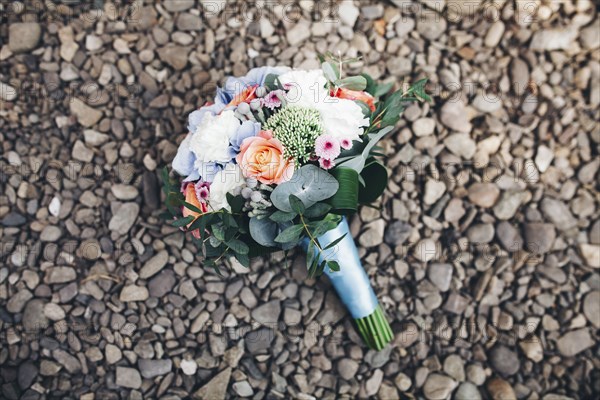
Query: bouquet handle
point(353, 287)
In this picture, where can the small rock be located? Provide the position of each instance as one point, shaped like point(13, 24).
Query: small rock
point(373, 383)
point(454, 116)
point(50, 233)
point(124, 192)
point(553, 39)
point(509, 236)
point(440, 275)
point(28, 371)
point(476, 374)
point(7, 92)
point(431, 26)
point(189, 367)
point(243, 389)
point(69, 362)
point(122, 221)
point(519, 71)
point(133, 293)
point(467, 391)
point(34, 320)
point(481, 233)
point(539, 237)
point(504, 360)
point(13, 219)
point(399, 66)
point(591, 308)
point(434, 190)
point(162, 284)
point(23, 36)
point(348, 13)
point(494, 34)
point(438, 386)
point(397, 233)
point(128, 378)
point(461, 145)
point(216, 388)
point(113, 354)
point(189, 22)
point(454, 366)
point(426, 250)
point(484, 194)
point(456, 303)
point(54, 206)
point(152, 368)
point(574, 342)
point(532, 347)
point(508, 205)
point(423, 127)
point(373, 234)
point(179, 5)
point(54, 312)
point(543, 158)
point(57, 275)
point(298, 33)
point(403, 382)
point(175, 56)
point(499, 389)
point(86, 115)
point(591, 254)
point(266, 28)
point(347, 368)
point(81, 153)
point(267, 313)
point(93, 43)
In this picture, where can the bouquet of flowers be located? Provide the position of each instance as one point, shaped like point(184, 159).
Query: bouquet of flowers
point(277, 161)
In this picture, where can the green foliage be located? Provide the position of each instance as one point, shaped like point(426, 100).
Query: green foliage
point(309, 183)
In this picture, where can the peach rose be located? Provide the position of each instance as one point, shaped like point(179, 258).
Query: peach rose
point(246, 96)
point(355, 95)
point(192, 198)
point(261, 157)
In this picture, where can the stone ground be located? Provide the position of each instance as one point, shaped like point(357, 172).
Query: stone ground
point(485, 250)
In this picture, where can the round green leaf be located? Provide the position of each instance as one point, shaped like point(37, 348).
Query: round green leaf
point(309, 183)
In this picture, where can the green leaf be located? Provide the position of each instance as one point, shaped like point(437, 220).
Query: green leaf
point(371, 84)
point(192, 207)
point(244, 259)
point(290, 235)
point(183, 221)
point(264, 231)
point(383, 89)
point(352, 83)
point(333, 266)
point(272, 82)
point(345, 201)
point(218, 232)
point(375, 176)
point(335, 242)
point(309, 183)
point(282, 216)
point(317, 210)
point(331, 73)
point(238, 246)
point(297, 204)
point(235, 202)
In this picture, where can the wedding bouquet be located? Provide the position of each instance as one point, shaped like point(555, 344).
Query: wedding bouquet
point(277, 161)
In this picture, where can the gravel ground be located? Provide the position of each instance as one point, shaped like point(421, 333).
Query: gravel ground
point(485, 250)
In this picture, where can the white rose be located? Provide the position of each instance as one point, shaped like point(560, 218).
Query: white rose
point(307, 88)
point(343, 119)
point(225, 181)
point(210, 142)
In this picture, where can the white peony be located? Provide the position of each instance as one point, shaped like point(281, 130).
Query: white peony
point(225, 181)
point(210, 142)
point(341, 118)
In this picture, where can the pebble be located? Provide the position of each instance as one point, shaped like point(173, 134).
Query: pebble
point(403, 382)
point(54, 312)
point(162, 284)
point(591, 254)
point(440, 275)
point(467, 391)
point(430, 26)
point(113, 354)
point(423, 126)
point(152, 368)
point(543, 158)
point(494, 34)
point(133, 293)
point(175, 56)
point(267, 313)
point(57, 275)
point(532, 348)
point(7, 92)
point(558, 213)
point(122, 221)
point(347, 368)
point(434, 190)
point(216, 388)
point(426, 250)
point(454, 115)
point(298, 33)
point(243, 389)
point(69, 362)
point(504, 360)
point(500, 389)
point(23, 36)
point(128, 378)
point(50, 233)
point(189, 367)
point(553, 39)
point(519, 71)
point(373, 384)
point(86, 115)
point(574, 342)
point(397, 233)
point(591, 308)
point(34, 318)
point(461, 145)
point(373, 234)
point(476, 374)
point(438, 386)
point(508, 205)
point(481, 233)
point(539, 237)
point(454, 366)
point(484, 195)
point(348, 13)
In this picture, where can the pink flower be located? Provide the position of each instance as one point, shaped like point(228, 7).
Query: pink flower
point(326, 164)
point(327, 147)
point(272, 100)
point(346, 144)
point(202, 191)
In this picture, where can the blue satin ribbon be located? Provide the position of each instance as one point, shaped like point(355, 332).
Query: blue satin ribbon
point(351, 281)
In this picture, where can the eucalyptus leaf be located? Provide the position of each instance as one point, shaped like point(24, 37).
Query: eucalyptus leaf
point(290, 235)
point(264, 231)
point(281, 216)
point(309, 183)
point(352, 83)
point(330, 72)
point(317, 210)
point(297, 204)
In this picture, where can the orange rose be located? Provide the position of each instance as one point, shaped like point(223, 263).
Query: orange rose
point(355, 95)
point(261, 157)
point(245, 97)
point(192, 198)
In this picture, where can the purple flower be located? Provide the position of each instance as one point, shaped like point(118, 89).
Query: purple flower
point(273, 99)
